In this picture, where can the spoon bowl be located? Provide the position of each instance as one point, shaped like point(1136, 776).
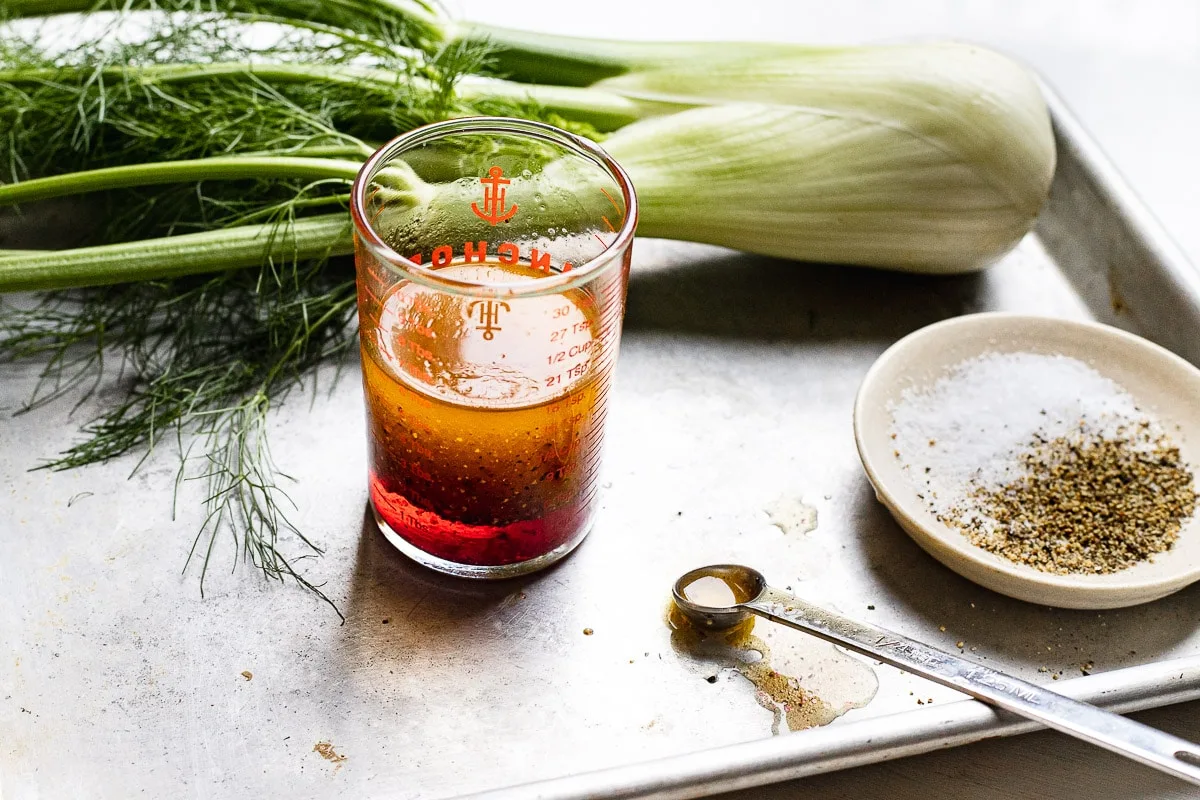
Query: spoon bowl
point(744, 585)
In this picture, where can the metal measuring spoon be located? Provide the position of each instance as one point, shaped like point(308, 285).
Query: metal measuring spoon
point(749, 589)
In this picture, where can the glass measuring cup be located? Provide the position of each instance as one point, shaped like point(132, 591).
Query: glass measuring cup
point(492, 258)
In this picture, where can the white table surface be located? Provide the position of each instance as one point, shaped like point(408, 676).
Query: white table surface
point(1131, 72)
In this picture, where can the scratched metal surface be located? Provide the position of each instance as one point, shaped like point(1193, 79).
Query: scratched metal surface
point(733, 395)
point(734, 390)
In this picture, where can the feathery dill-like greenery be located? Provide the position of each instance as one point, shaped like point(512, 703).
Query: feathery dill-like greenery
point(204, 358)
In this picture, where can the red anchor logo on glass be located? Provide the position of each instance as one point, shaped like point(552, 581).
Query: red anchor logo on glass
point(493, 198)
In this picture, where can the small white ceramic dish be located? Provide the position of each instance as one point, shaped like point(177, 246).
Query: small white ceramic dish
point(1161, 382)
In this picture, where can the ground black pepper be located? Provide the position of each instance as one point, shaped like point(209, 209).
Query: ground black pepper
point(1086, 504)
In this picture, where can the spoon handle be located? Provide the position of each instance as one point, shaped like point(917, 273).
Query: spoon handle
point(1150, 746)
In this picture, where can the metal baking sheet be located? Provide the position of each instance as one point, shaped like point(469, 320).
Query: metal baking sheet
point(732, 406)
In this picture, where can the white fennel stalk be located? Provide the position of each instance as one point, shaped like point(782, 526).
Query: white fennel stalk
point(927, 158)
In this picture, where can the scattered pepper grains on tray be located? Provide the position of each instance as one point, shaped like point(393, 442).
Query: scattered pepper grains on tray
point(1044, 461)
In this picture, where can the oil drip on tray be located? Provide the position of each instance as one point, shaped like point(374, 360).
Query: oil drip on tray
point(803, 681)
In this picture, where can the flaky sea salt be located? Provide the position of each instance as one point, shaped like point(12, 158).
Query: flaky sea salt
point(970, 429)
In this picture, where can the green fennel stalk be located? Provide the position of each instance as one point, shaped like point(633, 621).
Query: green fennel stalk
point(175, 256)
point(525, 56)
